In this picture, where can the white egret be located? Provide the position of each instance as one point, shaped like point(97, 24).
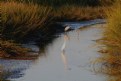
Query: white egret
point(67, 28)
point(64, 58)
point(65, 38)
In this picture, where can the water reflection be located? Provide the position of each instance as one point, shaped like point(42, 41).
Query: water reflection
point(64, 59)
point(78, 30)
point(63, 55)
point(42, 45)
point(13, 69)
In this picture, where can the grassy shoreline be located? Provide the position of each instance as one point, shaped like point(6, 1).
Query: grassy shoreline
point(111, 52)
point(19, 19)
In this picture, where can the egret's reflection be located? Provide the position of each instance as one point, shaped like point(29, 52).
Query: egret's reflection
point(63, 55)
point(64, 58)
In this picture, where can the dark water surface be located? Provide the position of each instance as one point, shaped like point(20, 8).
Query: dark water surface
point(67, 58)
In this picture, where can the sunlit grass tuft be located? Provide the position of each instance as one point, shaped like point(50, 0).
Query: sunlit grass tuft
point(112, 34)
point(19, 19)
point(111, 53)
point(9, 48)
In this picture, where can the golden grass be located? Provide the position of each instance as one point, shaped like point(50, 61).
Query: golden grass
point(19, 19)
point(9, 48)
point(22, 18)
point(111, 59)
point(72, 12)
point(112, 34)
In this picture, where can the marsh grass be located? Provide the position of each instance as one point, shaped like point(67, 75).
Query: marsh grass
point(19, 19)
point(9, 48)
point(77, 13)
point(110, 57)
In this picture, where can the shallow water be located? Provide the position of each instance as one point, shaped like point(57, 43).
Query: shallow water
point(76, 25)
point(67, 58)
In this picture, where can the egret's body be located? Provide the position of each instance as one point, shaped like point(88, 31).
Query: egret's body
point(65, 38)
point(67, 28)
